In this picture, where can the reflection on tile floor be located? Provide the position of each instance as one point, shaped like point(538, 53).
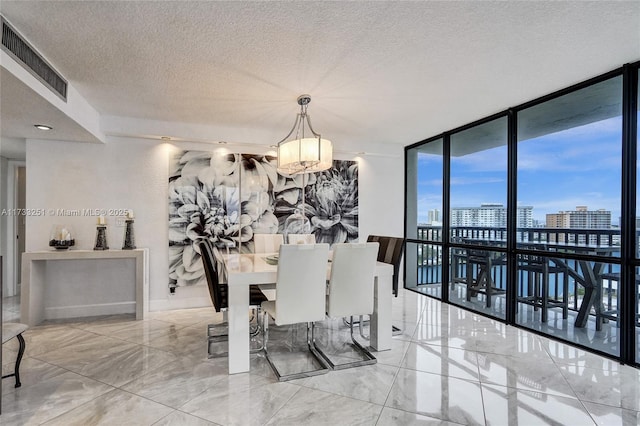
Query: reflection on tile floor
point(447, 366)
point(605, 340)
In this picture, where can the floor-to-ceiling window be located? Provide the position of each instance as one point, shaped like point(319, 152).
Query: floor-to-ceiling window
point(636, 222)
point(535, 225)
point(569, 175)
point(425, 215)
point(478, 217)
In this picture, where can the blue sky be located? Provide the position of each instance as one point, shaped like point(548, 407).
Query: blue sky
point(558, 171)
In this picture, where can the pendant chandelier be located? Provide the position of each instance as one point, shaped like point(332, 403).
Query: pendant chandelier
point(306, 151)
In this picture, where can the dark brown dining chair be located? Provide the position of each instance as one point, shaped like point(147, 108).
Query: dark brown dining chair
point(390, 251)
point(219, 297)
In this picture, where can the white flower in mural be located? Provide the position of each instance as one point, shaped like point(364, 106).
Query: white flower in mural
point(227, 198)
point(335, 210)
point(194, 214)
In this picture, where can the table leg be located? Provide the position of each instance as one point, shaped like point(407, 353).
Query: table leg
point(590, 294)
point(32, 291)
point(380, 333)
point(238, 328)
point(488, 281)
point(470, 284)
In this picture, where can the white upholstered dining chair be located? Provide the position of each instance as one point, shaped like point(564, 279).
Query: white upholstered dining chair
point(351, 292)
point(301, 239)
point(267, 243)
point(300, 298)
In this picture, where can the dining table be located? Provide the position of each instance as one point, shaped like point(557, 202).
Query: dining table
point(244, 270)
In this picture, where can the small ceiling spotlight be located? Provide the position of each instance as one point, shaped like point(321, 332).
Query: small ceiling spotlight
point(362, 153)
point(42, 127)
point(222, 142)
point(165, 138)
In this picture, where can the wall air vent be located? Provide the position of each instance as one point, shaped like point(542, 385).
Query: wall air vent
point(31, 60)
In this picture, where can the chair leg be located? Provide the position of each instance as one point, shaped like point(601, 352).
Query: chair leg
point(312, 348)
point(360, 328)
point(545, 295)
point(565, 295)
point(19, 360)
point(368, 357)
point(16, 370)
point(265, 330)
point(219, 338)
point(255, 314)
point(213, 338)
point(395, 331)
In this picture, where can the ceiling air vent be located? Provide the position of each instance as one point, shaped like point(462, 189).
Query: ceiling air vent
point(31, 60)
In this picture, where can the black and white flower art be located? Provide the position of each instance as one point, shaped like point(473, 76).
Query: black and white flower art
point(228, 198)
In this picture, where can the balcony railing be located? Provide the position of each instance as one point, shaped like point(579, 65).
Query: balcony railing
point(600, 237)
point(493, 239)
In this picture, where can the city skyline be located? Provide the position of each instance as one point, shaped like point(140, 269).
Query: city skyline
point(495, 215)
point(557, 172)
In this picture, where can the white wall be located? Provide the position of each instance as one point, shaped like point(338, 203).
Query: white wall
point(4, 179)
point(381, 190)
point(133, 174)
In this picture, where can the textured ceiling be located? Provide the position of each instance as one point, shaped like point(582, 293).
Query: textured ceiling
point(378, 72)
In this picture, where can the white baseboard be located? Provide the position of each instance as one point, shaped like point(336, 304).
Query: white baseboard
point(179, 303)
point(61, 312)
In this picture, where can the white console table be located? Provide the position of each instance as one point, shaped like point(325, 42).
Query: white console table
point(33, 290)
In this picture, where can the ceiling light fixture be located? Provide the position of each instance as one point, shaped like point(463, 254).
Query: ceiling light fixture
point(165, 138)
point(42, 127)
point(304, 154)
point(222, 142)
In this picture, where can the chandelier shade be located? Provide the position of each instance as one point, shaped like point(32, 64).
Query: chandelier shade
point(304, 153)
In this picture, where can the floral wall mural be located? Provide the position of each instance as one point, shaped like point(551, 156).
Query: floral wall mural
point(228, 198)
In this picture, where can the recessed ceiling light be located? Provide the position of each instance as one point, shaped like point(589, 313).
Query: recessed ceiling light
point(165, 138)
point(222, 142)
point(362, 153)
point(42, 127)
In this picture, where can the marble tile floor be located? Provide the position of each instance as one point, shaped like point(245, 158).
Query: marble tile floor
point(606, 340)
point(448, 367)
point(11, 308)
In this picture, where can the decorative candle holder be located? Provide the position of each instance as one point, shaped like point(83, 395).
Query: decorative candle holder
point(101, 238)
point(61, 237)
point(129, 239)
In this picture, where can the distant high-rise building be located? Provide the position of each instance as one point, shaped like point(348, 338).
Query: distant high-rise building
point(490, 216)
point(524, 217)
point(434, 217)
point(580, 218)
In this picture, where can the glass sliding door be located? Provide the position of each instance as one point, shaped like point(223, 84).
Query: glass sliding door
point(478, 217)
point(424, 218)
point(569, 177)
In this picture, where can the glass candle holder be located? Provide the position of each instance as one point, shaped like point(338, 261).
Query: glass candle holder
point(61, 237)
